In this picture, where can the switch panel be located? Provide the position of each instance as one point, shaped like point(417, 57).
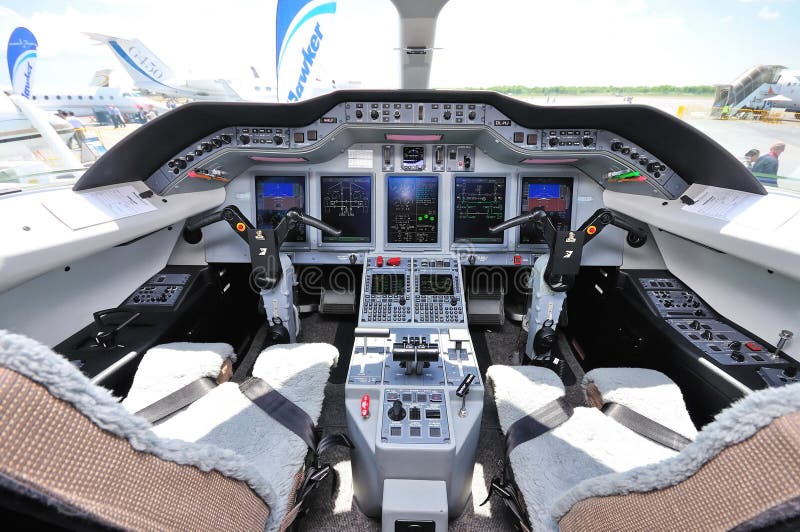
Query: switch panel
point(426, 421)
point(723, 343)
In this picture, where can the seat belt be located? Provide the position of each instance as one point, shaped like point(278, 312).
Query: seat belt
point(541, 421)
point(294, 418)
point(646, 427)
point(177, 400)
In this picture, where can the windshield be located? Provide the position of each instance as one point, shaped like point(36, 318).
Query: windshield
point(730, 69)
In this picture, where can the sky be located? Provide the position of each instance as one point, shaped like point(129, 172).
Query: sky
point(481, 42)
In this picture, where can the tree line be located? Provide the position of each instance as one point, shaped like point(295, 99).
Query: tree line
point(654, 90)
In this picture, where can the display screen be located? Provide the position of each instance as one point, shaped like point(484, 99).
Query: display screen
point(480, 202)
point(414, 158)
point(554, 194)
point(388, 284)
point(275, 196)
point(435, 284)
point(346, 203)
point(413, 209)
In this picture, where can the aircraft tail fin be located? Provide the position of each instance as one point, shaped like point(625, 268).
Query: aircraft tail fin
point(21, 55)
point(101, 78)
point(146, 69)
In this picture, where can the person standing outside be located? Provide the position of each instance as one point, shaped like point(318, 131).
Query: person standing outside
point(119, 116)
point(78, 130)
point(751, 157)
point(768, 164)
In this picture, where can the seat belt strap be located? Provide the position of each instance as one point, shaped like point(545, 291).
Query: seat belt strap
point(646, 427)
point(280, 409)
point(177, 400)
point(537, 423)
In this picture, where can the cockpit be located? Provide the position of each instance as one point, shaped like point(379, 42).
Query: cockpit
point(411, 310)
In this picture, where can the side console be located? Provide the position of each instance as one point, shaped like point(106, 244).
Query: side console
point(414, 394)
point(736, 352)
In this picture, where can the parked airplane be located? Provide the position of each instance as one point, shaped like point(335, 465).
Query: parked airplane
point(84, 101)
point(152, 75)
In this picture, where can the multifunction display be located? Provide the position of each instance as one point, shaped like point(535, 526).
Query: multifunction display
point(435, 284)
point(479, 203)
point(388, 284)
point(554, 195)
point(277, 194)
point(413, 209)
point(346, 203)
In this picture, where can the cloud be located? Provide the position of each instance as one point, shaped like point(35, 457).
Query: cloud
point(768, 14)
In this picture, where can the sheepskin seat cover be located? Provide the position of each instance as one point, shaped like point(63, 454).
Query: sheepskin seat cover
point(167, 368)
point(588, 445)
point(226, 418)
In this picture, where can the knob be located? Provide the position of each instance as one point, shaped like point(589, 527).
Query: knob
point(199, 150)
point(359, 114)
point(553, 141)
point(737, 356)
point(634, 155)
point(397, 115)
point(244, 139)
point(472, 115)
point(397, 412)
point(170, 164)
point(790, 371)
point(278, 140)
point(353, 258)
point(207, 147)
point(189, 157)
point(662, 167)
point(616, 146)
point(226, 139)
point(446, 115)
point(653, 167)
point(625, 150)
point(735, 345)
point(216, 141)
point(180, 163)
point(588, 141)
point(453, 301)
point(402, 301)
point(643, 161)
point(708, 335)
point(695, 324)
point(374, 114)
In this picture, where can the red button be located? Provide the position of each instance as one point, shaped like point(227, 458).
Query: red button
point(365, 405)
point(752, 346)
point(517, 260)
point(379, 260)
point(394, 261)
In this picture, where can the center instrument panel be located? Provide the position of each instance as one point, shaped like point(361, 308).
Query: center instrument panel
point(420, 210)
point(412, 176)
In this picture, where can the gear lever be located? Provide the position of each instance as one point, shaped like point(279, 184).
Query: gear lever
point(462, 391)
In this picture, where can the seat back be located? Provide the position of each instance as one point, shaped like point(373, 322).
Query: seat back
point(741, 471)
point(72, 447)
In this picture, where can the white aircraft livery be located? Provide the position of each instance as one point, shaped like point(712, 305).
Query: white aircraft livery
point(152, 75)
point(303, 31)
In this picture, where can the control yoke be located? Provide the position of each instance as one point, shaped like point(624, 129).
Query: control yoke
point(566, 246)
point(265, 244)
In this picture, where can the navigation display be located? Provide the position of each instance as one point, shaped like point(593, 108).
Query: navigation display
point(435, 284)
point(480, 202)
point(388, 284)
point(346, 203)
point(274, 196)
point(554, 194)
point(413, 209)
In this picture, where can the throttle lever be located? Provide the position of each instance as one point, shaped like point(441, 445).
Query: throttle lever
point(462, 391)
point(295, 215)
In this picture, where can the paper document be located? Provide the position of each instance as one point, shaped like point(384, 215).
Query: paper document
point(720, 203)
point(84, 209)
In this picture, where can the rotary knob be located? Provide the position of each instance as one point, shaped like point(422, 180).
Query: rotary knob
point(616, 146)
point(737, 356)
point(397, 412)
point(244, 139)
point(446, 115)
point(472, 115)
point(397, 115)
point(278, 140)
point(553, 141)
point(359, 114)
point(588, 141)
point(374, 114)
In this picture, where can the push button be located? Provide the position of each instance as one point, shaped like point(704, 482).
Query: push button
point(752, 346)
